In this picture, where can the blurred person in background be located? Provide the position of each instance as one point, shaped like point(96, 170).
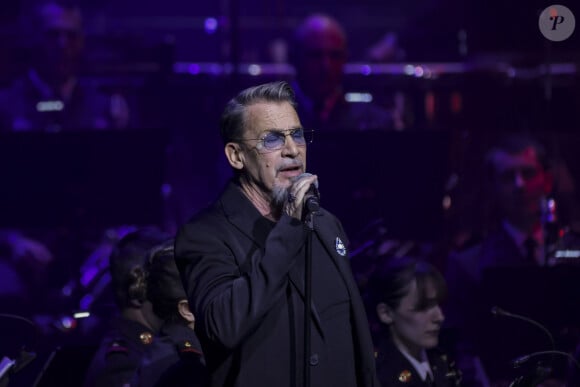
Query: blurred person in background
point(52, 95)
point(318, 52)
point(406, 295)
point(24, 266)
point(175, 357)
point(518, 246)
point(519, 179)
point(133, 330)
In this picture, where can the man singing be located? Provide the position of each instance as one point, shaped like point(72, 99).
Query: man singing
point(243, 261)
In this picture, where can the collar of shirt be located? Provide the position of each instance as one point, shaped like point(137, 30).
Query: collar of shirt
point(519, 237)
point(422, 367)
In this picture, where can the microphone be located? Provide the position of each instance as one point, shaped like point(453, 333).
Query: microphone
point(519, 361)
point(497, 311)
point(312, 196)
point(516, 363)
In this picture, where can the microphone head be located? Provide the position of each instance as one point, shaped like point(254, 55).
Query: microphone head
point(497, 311)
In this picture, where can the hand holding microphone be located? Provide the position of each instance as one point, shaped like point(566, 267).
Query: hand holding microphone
point(303, 196)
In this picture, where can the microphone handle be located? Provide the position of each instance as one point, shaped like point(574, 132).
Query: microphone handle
point(311, 204)
point(312, 200)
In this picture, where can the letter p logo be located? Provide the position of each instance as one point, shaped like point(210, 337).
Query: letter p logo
point(557, 20)
point(557, 23)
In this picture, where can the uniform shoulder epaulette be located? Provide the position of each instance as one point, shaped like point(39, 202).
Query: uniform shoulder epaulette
point(117, 346)
point(185, 347)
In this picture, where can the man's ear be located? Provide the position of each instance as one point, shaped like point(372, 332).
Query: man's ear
point(183, 309)
point(234, 155)
point(384, 313)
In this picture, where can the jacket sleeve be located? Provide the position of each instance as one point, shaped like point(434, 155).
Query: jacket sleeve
point(232, 287)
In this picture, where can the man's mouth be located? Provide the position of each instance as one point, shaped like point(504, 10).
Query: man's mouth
point(290, 171)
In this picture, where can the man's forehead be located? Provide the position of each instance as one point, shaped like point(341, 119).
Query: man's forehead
point(273, 115)
point(506, 160)
point(56, 17)
point(324, 39)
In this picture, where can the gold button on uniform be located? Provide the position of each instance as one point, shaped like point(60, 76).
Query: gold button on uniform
point(146, 338)
point(405, 376)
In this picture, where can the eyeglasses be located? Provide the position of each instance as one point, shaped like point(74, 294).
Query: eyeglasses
point(276, 139)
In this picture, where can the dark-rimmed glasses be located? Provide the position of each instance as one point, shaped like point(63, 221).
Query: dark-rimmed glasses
point(273, 140)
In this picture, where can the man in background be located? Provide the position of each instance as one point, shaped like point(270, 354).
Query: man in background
point(519, 184)
point(51, 96)
point(319, 52)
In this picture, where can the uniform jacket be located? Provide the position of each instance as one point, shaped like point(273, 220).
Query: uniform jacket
point(173, 359)
point(394, 370)
point(119, 354)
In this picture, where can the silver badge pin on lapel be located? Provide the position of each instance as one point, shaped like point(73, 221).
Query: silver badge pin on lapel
point(340, 247)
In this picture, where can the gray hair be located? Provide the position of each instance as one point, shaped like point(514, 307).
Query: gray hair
point(233, 118)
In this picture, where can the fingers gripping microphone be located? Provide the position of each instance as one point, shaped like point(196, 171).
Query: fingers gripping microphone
point(312, 197)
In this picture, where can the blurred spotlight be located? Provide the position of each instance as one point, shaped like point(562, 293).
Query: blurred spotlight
point(211, 25)
point(67, 323)
point(166, 190)
point(254, 69)
point(358, 97)
point(366, 70)
point(193, 69)
point(67, 290)
point(80, 315)
point(49, 106)
point(419, 71)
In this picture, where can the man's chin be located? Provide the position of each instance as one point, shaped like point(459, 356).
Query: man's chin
point(279, 195)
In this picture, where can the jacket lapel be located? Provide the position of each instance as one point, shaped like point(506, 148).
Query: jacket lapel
point(297, 279)
point(246, 218)
point(335, 243)
point(243, 215)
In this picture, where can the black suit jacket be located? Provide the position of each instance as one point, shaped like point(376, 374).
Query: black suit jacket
point(238, 272)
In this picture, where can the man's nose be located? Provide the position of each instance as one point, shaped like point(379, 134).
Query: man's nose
point(290, 147)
